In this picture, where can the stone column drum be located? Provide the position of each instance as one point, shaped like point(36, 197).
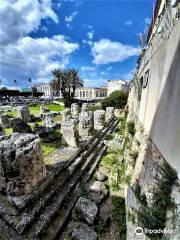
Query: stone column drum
point(75, 110)
point(84, 107)
point(24, 113)
point(66, 115)
point(86, 124)
point(70, 133)
point(2, 131)
point(109, 114)
point(99, 119)
point(21, 164)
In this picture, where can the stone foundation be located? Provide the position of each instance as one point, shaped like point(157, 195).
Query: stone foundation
point(24, 113)
point(21, 164)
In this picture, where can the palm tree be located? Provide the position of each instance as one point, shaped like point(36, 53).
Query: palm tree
point(0, 83)
point(30, 82)
point(15, 82)
point(66, 81)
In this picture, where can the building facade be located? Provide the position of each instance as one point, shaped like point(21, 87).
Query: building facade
point(114, 85)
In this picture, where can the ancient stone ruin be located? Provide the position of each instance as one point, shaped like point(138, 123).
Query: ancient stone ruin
point(21, 164)
point(70, 133)
point(2, 131)
point(99, 119)
point(20, 126)
point(109, 114)
point(24, 113)
point(75, 110)
point(6, 121)
point(86, 124)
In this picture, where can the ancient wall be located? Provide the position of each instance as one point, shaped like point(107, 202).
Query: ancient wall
point(159, 110)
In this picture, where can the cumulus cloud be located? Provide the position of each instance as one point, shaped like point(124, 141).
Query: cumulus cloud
point(128, 23)
point(106, 51)
point(18, 18)
point(70, 18)
point(147, 20)
point(22, 56)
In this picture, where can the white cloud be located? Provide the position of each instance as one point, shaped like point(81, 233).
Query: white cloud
point(18, 18)
point(70, 18)
point(147, 21)
point(90, 34)
point(22, 56)
point(106, 51)
point(95, 82)
point(88, 68)
point(128, 23)
point(104, 73)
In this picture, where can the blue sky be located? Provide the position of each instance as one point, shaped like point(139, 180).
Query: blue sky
point(99, 38)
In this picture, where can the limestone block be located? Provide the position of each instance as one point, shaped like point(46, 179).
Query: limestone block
point(84, 107)
point(66, 115)
point(85, 210)
point(75, 110)
point(109, 114)
point(98, 191)
point(48, 120)
point(70, 133)
point(86, 124)
point(84, 232)
point(117, 112)
point(24, 113)
point(44, 110)
point(99, 119)
point(21, 164)
point(20, 126)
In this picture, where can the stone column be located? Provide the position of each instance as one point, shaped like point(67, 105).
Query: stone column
point(86, 124)
point(48, 120)
point(109, 114)
point(75, 110)
point(21, 162)
point(99, 119)
point(70, 133)
point(24, 113)
point(66, 115)
point(84, 107)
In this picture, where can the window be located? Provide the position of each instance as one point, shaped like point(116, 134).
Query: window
point(146, 79)
point(83, 93)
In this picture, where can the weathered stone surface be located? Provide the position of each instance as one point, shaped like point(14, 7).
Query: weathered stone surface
point(84, 107)
point(105, 212)
point(20, 126)
point(70, 133)
point(75, 110)
point(109, 114)
point(66, 115)
point(48, 120)
point(86, 124)
point(84, 232)
point(117, 112)
point(24, 113)
point(21, 162)
point(6, 121)
point(2, 131)
point(85, 210)
point(99, 119)
point(98, 191)
point(100, 176)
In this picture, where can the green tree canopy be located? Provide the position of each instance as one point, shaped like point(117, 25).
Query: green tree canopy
point(66, 81)
point(117, 99)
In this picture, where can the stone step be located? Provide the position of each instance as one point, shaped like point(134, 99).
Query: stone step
point(29, 214)
point(45, 218)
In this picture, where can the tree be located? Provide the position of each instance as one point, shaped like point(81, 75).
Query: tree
point(117, 99)
point(66, 81)
point(30, 82)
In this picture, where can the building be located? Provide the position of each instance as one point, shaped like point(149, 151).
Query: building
point(85, 93)
point(46, 89)
point(114, 85)
point(91, 93)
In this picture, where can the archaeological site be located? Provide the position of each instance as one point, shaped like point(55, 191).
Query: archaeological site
point(83, 157)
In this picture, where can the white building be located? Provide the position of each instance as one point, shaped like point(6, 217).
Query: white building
point(114, 85)
point(46, 89)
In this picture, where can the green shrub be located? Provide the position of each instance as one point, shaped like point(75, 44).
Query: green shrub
point(117, 99)
point(131, 128)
